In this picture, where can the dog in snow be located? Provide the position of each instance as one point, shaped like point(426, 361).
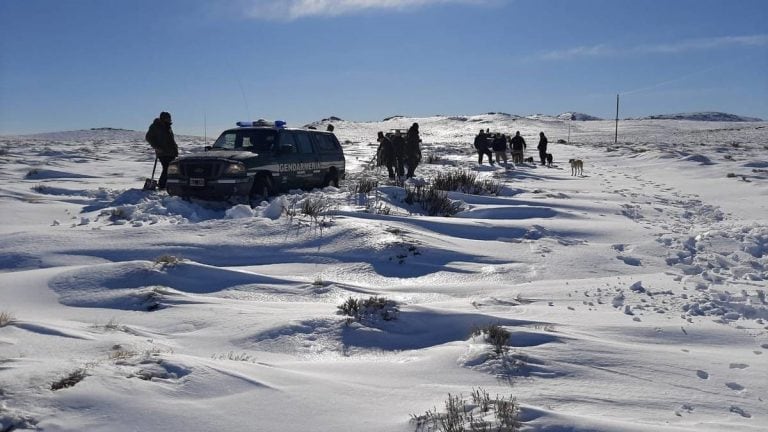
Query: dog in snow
point(529, 159)
point(550, 160)
point(577, 167)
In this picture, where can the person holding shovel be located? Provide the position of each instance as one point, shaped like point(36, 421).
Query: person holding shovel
point(160, 137)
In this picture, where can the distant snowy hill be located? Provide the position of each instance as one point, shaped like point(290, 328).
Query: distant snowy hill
point(577, 116)
point(702, 116)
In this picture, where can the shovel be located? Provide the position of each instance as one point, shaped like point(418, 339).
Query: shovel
point(151, 183)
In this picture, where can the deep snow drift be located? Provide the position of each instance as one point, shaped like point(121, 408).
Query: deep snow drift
point(633, 295)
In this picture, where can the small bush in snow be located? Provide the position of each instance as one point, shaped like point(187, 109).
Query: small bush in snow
point(167, 261)
point(365, 185)
point(489, 186)
point(6, 318)
point(370, 309)
point(483, 414)
point(69, 380)
point(119, 353)
point(434, 201)
point(466, 182)
point(312, 206)
point(315, 207)
point(495, 335)
point(378, 207)
point(112, 324)
point(461, 181)
point(242, 357)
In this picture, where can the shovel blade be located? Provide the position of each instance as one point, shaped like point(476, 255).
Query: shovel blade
point(150, 184)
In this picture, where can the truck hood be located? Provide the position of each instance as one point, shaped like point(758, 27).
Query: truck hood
point(229, 155)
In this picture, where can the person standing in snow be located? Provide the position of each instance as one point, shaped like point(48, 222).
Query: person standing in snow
point(500, 148)
point(481, 145)
point(398, 144)
point(518, 147)
point(160, 137)
point(542, 148)
point(385, 155)
point(412, 150)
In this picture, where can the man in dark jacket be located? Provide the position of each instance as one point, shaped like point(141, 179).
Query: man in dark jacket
point(481, 145)
point(385, 155)
point(412, 155)
point(499, 146)
point(542, 148)
point(398, 144)
point(518, 147)
point(160, 137)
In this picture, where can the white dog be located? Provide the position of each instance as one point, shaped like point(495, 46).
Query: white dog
point(577, 167)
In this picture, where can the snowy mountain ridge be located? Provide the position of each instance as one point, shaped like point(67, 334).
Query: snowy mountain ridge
point(702, 116)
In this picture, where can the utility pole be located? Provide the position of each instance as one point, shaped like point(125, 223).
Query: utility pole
point(569, 129)
point(616, 136)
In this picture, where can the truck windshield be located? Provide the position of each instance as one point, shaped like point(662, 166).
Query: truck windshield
point(255, 140)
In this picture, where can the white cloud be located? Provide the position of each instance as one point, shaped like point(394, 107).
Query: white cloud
point(294, 9)
point(703, 44)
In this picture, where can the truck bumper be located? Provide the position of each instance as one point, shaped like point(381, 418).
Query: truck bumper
point(211, 190)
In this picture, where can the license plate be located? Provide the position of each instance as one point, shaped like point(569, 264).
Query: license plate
point(196, 182)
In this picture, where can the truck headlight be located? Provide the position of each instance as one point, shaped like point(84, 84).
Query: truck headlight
point(173, 169)
point(234, 169)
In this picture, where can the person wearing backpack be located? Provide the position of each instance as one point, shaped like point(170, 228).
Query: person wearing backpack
point(385, 155)
point(160, 137)
point(412, 150)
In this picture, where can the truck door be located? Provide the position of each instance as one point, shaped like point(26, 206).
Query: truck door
point(308, 154)
point(292, 171)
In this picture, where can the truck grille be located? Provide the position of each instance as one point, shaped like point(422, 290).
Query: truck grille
point(201, 169)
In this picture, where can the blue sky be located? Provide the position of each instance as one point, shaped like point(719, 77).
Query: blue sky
point(75, 64)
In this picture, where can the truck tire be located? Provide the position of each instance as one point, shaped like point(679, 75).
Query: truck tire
point(261, 190)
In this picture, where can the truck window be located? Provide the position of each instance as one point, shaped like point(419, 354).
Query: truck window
point(303, 143)
point(246, 139)
point(326, 143)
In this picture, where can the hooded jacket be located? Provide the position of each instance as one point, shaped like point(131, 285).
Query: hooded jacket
point(160, 137)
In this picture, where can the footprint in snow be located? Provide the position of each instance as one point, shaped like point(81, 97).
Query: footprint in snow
point(734, 386)
point(702, 374)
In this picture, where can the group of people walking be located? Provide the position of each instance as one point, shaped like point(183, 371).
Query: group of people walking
point(485, 141)
point(400, 154)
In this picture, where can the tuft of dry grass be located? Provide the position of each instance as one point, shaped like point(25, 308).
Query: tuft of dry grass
point(6, 318)
point(167, 261)
point(70, 380)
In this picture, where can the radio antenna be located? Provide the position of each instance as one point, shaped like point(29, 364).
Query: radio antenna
point(242, 92)
point(205, 128)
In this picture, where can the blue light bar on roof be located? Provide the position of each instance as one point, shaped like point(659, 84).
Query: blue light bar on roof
point(261, 122)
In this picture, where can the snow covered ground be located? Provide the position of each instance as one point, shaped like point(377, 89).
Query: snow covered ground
point(634, 294)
